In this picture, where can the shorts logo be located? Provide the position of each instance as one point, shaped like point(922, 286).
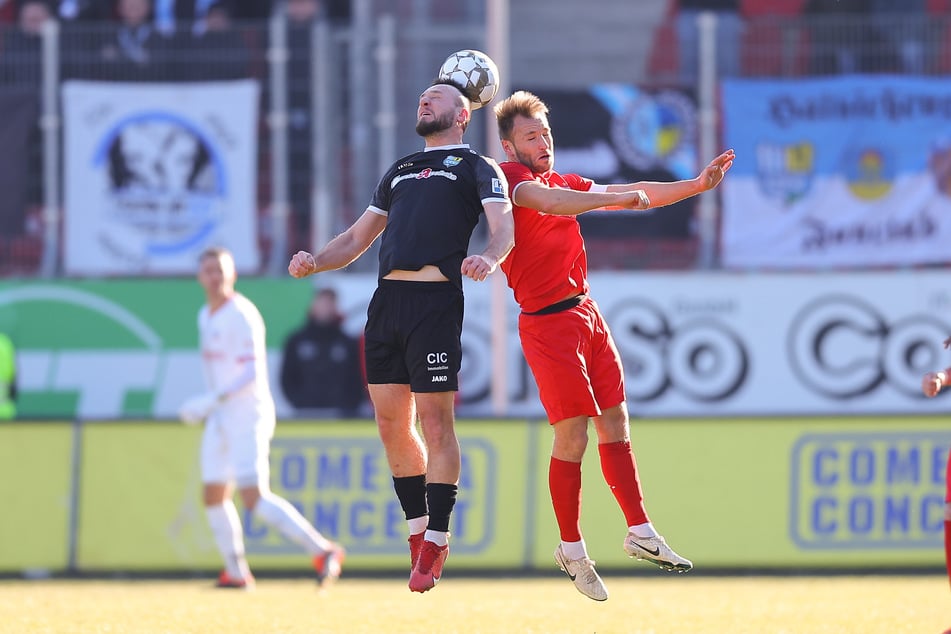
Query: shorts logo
point(436, 362)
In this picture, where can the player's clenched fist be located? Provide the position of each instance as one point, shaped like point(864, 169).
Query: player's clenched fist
point(477, 267)
point(639, 201)
point(931, 384)
point(302, 264)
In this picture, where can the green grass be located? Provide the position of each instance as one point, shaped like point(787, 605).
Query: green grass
point(638, 605)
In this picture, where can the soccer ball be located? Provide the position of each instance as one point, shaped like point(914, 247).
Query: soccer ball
point(475, 72)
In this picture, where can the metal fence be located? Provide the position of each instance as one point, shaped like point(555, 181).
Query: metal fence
point(335, 99)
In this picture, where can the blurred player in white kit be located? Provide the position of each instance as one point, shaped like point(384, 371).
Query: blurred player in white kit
point(238, 411)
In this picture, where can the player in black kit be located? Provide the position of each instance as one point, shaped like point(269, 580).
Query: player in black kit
point(426, 206)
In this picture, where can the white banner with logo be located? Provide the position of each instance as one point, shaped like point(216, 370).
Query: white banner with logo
point(154, 173)
point(693, 344)
point(779, 344)
point(844, 172)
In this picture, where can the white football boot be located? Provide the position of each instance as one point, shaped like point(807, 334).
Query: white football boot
point(583, 574)
point(656, 551)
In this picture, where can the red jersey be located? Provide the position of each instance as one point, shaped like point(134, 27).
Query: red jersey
point(548, 262)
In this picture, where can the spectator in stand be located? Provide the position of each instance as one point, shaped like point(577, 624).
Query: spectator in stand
point(20, 64)
point(321, 365)
point(84, 10)
point(729, 35)
point(904, 26)
point(213, 49)
point(840, 37)
point(134, 50)
point(252, 9)
point(173, 16)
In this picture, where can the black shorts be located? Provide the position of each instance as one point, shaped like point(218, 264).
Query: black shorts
point(414, 335)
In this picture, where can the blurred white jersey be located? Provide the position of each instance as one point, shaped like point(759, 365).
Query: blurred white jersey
point(231, 337)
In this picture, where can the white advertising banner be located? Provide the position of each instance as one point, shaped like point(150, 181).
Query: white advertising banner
point(780, 344)
point(734, 344)
point(701, 345)
point(840, 172)
point(154, 173)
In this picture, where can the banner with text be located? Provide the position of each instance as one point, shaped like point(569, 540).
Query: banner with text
point(866, 492)
point(713, 344)
point(335, 473)
point(154, 173)
point(841, 172)
point(621, 133)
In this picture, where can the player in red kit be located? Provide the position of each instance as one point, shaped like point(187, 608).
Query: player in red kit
point(566, 341)
point(931, 384)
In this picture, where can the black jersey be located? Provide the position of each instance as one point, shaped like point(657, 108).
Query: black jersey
point(433, 200)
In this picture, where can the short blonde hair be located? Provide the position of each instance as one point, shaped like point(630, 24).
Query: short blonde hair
point(215, 252)
point(519, 103)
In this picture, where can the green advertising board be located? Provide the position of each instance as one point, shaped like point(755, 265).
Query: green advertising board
point(122, 348)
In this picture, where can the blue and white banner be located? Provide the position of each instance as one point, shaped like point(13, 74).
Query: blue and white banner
point(157, 172)
point(621, 133)
point(848, 171)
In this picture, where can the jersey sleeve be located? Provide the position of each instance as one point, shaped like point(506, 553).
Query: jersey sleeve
point(516, 174)
point(380, 202)
point(242, 333)
point(582, 184)
point(491, 181)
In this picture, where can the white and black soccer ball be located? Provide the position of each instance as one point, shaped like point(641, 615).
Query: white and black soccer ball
point(475, 72)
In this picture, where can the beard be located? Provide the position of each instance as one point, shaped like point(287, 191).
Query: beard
point(440, 123)
point(527, 161)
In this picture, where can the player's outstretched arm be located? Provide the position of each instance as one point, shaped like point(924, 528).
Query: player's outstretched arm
point(342, 250)
point(571, 202)
point(662, 194)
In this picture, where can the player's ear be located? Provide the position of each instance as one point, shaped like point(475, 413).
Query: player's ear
point(508, 148)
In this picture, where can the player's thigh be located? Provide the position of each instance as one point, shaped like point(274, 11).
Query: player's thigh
point(555, 349)
point(434, 342)
point(249, 445)
point(605, 370)
point(382, 349)
point(213, 453)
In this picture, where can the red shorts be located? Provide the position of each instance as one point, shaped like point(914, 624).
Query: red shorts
point(947, 477)
point(576, 365)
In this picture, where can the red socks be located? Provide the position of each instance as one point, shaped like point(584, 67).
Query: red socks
point(564, 482)
point(620, 472)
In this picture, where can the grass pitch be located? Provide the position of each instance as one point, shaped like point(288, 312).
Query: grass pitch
point(637, 605)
